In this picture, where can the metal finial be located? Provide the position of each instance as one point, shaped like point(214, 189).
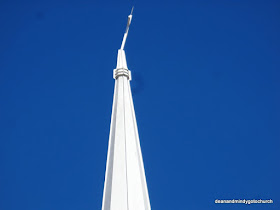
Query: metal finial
point(127, 28)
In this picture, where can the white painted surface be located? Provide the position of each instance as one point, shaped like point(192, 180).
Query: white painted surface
point(125, 185)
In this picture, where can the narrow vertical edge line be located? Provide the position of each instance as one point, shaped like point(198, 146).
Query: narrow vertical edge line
point(140, 161)
point(123, 79)
point(106, 202)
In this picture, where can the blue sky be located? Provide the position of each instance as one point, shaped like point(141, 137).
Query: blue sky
point(205, 82)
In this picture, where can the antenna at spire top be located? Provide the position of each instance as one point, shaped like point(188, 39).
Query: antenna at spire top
point(127, 28)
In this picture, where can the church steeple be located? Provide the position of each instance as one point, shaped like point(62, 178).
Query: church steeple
point(125, 185)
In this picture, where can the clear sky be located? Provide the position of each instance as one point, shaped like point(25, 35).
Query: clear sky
point(205, 82)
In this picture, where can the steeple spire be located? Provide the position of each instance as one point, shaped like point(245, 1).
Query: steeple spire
point(125, 185)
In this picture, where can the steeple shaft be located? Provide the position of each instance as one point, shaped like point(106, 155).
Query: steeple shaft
point(125, 185)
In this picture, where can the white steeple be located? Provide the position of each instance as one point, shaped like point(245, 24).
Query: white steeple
point(125, 185)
